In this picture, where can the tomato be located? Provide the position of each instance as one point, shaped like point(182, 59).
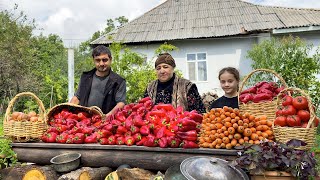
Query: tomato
point(289, 110)
point(304, 125)
point(293, 120)
point(304, 115)
point(287, 100)
point(300, 102)
point(316, 121)
point(279, 111)
point(280, 121)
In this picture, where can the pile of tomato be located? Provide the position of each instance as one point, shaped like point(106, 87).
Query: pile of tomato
point(293, 112)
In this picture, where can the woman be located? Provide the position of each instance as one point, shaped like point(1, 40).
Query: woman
point(171, 89)
point(229, 81)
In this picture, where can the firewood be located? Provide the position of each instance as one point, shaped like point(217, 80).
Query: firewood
point(87, 173)
point(134, 174)
point(28, 172)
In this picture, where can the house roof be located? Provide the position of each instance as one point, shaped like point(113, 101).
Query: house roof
point(192, 19)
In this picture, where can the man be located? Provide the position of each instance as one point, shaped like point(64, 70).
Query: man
point(101, 86)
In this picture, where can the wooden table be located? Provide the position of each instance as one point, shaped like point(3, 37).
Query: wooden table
point(96, 155)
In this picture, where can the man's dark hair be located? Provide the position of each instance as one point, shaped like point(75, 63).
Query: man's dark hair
point(101, 49)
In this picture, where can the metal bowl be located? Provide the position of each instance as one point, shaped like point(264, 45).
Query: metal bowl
point(209, 168)
point(174, 173)
point(66, 162)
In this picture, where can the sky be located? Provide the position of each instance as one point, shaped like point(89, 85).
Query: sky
point(76, 20)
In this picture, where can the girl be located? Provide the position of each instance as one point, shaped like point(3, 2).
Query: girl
point(229, 80)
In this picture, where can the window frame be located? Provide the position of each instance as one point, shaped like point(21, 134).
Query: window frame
point(196, 65)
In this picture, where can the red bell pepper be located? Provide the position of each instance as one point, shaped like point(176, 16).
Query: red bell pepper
point(148, 104)
point(51, 137)
point(73, 116)
point(142, 111)
point(137, 137)
point(87, 130)
point(173, 142)
point(104, 141)
point(53, 129)
point(112, 140)
point(121, 130)
point(134, 129)
point(136, 107)
point(91, 139)
point(119, 116)
point(189, 135)
point(141, 142)
point(245, 98)
point(70, 139)
point(163, 142)
point(95, 118)
point(145, 130)
point(195, 116)
point(262, 97)
point(151, 141)
point(128, 123)
point(250, 90)
point(102, 133)
point(259, 84)
point(138, 121)
point(161, 132)
point(129, 140)
point(120, 140)
point(78, 138)
point(261, 90)
point(115, 122)
point(143, 100)
point(86, 121)
point(62, 138)
point(166, 107)
point(83, 115)
point(189, 144)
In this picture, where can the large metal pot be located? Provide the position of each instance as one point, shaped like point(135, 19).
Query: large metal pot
point(209, 168)
point(66, 162)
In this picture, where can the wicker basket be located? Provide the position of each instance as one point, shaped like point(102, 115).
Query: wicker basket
point(72, 108)
point(267, 108)
point(24, 131)
point(308, 134)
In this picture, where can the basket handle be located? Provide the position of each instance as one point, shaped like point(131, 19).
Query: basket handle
point(13, 100)
point(96, 109)
point(261, 70)
point(312, 113)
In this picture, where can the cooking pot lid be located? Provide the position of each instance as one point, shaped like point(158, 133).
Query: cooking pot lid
point(210, 168)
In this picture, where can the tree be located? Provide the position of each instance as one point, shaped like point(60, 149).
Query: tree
point(291, 58)
point(30, 63)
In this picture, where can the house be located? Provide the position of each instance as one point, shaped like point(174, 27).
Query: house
point(212, 34)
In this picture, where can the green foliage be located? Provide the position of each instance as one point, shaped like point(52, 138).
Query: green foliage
point(134, 68)
point(165, 47)
point(290, 57)
point(30, 63)
point(8, 157)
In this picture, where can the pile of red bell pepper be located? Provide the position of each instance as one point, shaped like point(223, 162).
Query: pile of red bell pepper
point(262, 91)
point(141, 124)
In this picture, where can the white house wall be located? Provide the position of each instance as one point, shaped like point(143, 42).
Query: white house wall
point(220, 53)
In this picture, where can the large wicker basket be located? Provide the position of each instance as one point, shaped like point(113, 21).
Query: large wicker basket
point(308, 134)
point(267, 108)
point(24, 131)
point(73, 108)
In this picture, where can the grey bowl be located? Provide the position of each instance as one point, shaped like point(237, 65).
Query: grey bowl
point(66, 162)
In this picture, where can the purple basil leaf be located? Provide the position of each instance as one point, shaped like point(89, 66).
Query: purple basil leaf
point(296, 143)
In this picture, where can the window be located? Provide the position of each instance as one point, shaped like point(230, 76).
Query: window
point(197, 66)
